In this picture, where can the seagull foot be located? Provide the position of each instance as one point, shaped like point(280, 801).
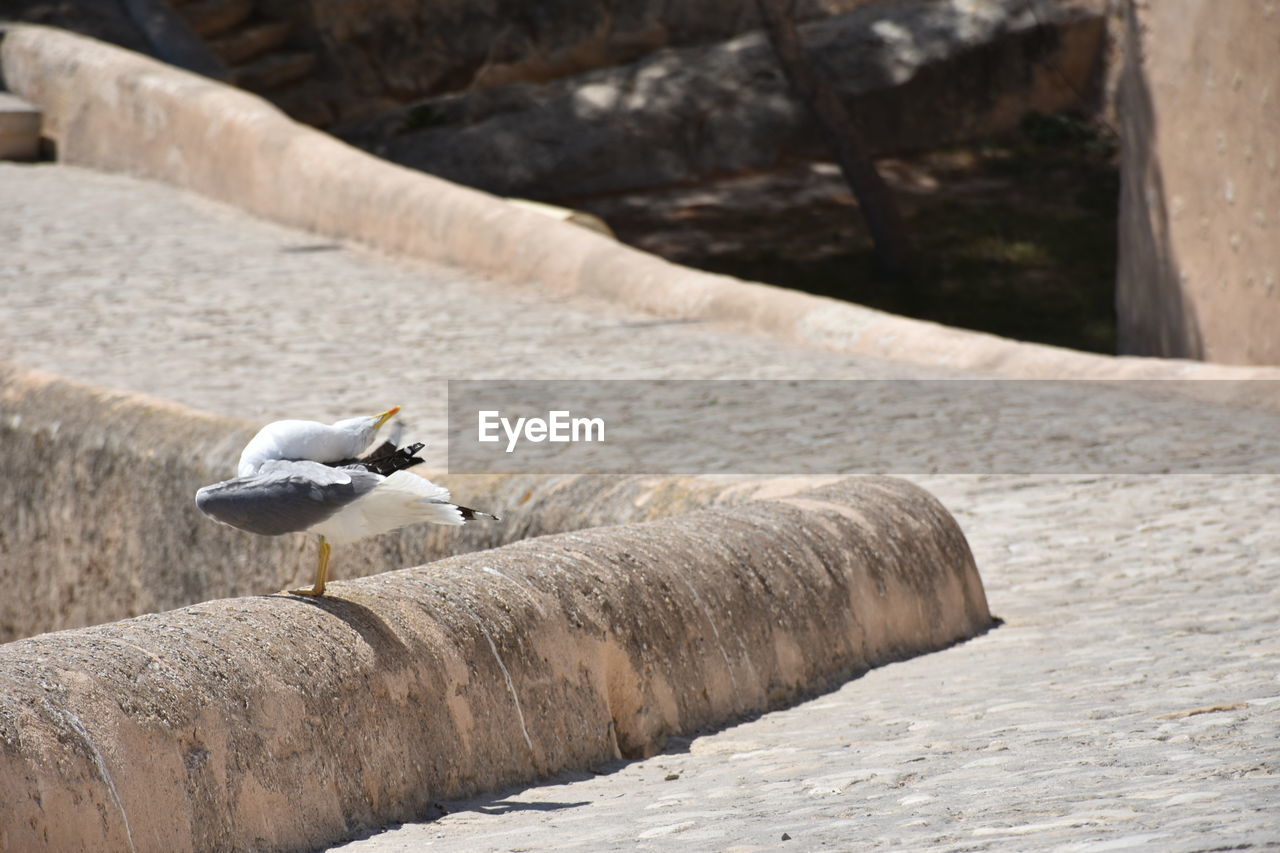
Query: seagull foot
point(312, 592)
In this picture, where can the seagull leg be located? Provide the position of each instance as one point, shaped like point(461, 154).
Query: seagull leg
point(322, 572)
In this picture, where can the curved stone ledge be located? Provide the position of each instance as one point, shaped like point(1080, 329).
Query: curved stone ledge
point(113, 109)
point(97, 488)
point(281, 723)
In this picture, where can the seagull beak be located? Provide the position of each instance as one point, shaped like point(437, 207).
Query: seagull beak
point(384, 417)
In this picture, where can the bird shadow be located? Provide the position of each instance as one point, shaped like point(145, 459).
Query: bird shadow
point(504, 806)
point(309, 248)
point(387, 646)
point(497, 804)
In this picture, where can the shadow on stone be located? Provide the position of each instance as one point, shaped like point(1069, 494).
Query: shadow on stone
point(1153, 314)
point(503, 806)
point(379, 636)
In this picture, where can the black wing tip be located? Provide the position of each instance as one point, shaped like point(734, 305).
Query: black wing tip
point(385, 459)
point(469, 514)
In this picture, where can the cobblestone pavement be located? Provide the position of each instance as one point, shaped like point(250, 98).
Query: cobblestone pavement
point(1131, 699)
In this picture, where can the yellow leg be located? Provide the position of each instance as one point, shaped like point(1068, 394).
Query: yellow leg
point(322, 572)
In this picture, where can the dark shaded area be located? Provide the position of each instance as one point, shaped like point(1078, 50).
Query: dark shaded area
point(171, 39)
point(107, 20)
point(504, 806)
point(1015, 236)
point(707, 157)
point(843, 137)
point(374, 56)
point(152, 27)
point(704, 114)
point(312, 247)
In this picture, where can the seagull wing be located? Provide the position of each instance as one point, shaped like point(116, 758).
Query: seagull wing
point(284, 496)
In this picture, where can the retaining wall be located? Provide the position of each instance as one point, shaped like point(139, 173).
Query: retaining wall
point(97, 492)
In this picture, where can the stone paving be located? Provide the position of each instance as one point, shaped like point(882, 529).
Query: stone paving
point(1131, 699)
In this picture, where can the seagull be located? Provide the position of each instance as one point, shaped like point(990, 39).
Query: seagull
point(297, 475)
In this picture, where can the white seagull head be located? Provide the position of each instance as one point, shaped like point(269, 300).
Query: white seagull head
point(312, 440)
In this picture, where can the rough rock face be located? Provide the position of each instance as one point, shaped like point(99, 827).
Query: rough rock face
point(107, 20)
point(1199, 269)
point(918, 74)
point(379, 55)
point(152, 27)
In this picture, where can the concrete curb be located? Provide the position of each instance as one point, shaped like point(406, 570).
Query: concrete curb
point(279, 723)
point(112, 109)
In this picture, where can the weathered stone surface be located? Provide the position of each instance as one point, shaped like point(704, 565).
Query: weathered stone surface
point(273, 722)
point(916, 74)
point(1199, 271)
point(98, 489)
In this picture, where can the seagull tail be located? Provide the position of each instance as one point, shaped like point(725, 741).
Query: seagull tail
point(404, 498)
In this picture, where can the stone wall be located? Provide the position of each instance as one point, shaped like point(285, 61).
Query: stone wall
point(97, 491)
point(283, 723)
point(1199, 102)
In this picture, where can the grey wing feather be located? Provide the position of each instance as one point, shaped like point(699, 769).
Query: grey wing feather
point(303, 469)
point(284, 497)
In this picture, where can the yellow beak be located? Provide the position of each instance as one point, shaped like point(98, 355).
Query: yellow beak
point(385, 416)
